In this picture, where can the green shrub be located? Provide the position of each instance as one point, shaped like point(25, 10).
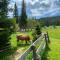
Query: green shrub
point(4, 38)
point(6, 31)
point(34, 36)
point(38, 30)
point(36, 33)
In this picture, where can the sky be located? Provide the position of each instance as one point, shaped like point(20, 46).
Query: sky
point(38, 8)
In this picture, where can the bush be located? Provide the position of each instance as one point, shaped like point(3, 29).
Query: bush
point(34, 36)
point(4, 38)
point(5, 32)
point(38, 30)
point(36, 33)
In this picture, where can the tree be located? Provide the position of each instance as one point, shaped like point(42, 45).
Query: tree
point(4, 24)
point(16, 13)
point(3, 9)
point(23, 18)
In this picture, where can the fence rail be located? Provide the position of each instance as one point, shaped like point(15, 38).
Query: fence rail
point(43, 39)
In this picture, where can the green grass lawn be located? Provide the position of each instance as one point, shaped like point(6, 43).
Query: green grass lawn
point(14, 40)
point(53, 50)
point(17, 48)
point(53, 53)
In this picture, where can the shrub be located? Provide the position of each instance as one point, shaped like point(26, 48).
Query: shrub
point(4, 38)
point(5, 32)
point(38, 30)
point(36, 33)
point(34, 36)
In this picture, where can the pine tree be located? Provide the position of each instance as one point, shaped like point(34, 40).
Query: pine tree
point(4, 24)
point(4, 9)
point(16, 13)
point(23, 18)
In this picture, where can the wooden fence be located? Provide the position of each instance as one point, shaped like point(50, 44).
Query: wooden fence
point(37, 53)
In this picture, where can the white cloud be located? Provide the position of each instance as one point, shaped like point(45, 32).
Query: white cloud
point(11, 5)
point(45, 2)
point(10, 14)
point(46, 7)
point(19, 1)
point(51, 12)
point(32, 2)
point(39, 7)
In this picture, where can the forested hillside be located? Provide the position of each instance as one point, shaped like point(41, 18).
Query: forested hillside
point(51, 21)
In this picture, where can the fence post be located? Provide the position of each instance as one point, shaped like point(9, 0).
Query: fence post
point(46, 39)
point(35, 55)
point(34, 52)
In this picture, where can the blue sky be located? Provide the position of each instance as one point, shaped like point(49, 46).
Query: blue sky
point(38, 8)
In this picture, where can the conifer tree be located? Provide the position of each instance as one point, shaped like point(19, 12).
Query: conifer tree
point(3, 9)
point(23, 17)
point(4, 24)
point(16, 13)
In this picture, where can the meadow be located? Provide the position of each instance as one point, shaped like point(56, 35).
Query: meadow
point(51, 53)
point(16, 48)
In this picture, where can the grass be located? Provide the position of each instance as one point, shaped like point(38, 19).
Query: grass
point(29, 56)
point(7, 54)
point(14, 40)
point(17, 48)
point(53, 51)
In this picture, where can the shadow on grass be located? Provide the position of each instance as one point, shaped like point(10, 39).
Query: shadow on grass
point(45, 54)
point(23, 45)
point(7, 54)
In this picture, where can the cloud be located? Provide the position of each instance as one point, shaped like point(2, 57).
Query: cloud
point(10, 14)
point(53, 12)
point(11, 5)
point(39, 8)
point(32, 2)
point(45, 7)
